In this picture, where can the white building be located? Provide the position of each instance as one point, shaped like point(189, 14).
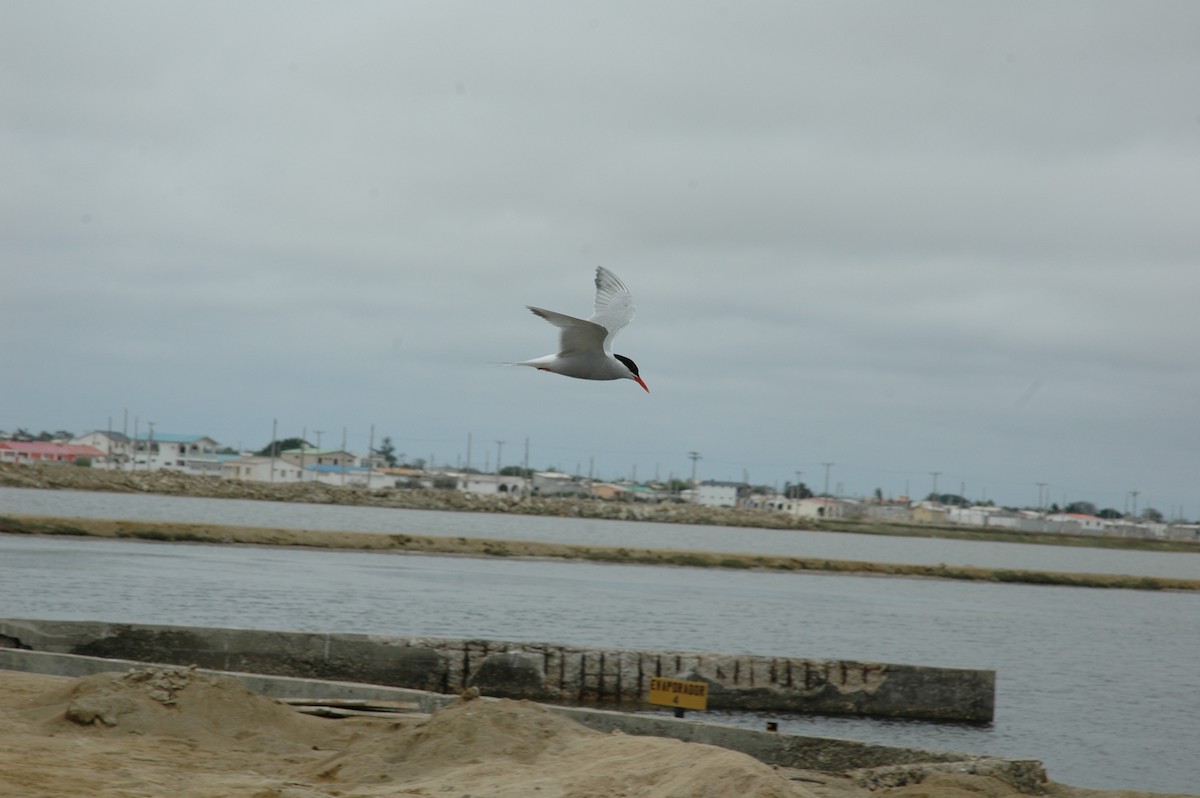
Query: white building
point(194, 454)
point(260, 469)
point(770, 501)
point(556, 483)
point(719, 494)
point(493, 485)
point(821, 507)
point(117, 447)
point(311, 456)
point(812, 507)
point(982, 516)
point(1078, 523)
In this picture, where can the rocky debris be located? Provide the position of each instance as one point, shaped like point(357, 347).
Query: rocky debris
point(176, 483)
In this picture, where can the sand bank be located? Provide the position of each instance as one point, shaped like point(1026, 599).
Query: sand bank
point(478, 547)
point(177, 732)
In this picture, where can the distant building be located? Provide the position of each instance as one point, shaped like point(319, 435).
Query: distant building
point(1183, 532)
point(930, 513)
point(983, 516)
point(1077, 523)
point(608, 491)
point(46, 452)
point(492, 484)
point(770, 501)
point(556, 483)
point(812, 507)
point(310, 456)
point(351, 476)
point(260, 469)
point(648, 493)
point(117, 447)
point(721, 494)
point(194, 454)
point(821, 507)
point(896, 512)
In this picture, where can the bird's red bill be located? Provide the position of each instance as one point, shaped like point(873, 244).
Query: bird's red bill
point(639, 382)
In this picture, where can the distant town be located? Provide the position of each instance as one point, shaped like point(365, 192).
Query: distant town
point(296, 460)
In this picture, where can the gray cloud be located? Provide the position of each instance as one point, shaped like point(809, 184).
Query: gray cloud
point(903, 238)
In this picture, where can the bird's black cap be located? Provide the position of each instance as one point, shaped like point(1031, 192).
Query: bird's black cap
point(629, 364)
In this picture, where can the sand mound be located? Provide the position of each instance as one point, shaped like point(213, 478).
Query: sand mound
point(515, 748)
point(174, 732)
point(468, 732)
point(489, 747)
point(175, 702)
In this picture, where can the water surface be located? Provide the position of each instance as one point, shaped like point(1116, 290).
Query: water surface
point(595, 532)
point(1099, 684)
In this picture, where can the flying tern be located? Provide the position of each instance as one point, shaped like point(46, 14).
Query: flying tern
point(585, 346)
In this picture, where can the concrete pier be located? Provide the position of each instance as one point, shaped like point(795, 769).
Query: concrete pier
point(542, 672)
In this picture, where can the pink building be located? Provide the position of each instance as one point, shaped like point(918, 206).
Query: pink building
point(45, 452)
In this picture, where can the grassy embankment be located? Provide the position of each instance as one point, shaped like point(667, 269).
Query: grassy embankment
point(364, 541)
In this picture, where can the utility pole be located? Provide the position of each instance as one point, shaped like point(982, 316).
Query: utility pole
point(318, 433)
point(827, 467)
point(468, 468)
point(1133, 492)
point(695, 456)
point(935, 475)
point(499, 449)
point(274, 445)
point(1041, 500)
point(798, 475)
point(150, 448)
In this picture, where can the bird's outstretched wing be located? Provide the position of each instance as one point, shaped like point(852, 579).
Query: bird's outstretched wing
point(576, 336)
point(614, 305)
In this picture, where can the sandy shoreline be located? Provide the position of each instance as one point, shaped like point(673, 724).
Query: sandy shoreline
point(479, 547)
point(150, 733)
point(175, 483)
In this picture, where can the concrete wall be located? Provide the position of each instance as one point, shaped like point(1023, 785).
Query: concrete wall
point(536, 671)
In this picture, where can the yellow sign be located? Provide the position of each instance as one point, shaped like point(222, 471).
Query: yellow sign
point(678, 693)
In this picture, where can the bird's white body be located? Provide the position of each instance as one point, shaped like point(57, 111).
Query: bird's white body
point(585, 344)
point(580, 367)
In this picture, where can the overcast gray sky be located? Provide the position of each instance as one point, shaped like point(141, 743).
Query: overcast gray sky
point(898, 237)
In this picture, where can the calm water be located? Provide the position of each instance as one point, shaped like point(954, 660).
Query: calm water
point(834, 545)
point(1100, 685)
